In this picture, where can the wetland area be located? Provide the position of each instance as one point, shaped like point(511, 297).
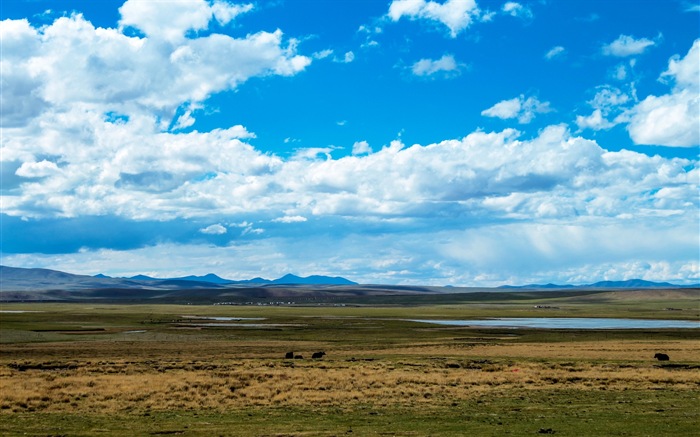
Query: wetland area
point(157, 369)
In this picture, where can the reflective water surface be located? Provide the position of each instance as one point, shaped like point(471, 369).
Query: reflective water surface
point(567, 323)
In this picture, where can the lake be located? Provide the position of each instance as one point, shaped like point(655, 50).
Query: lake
point(567, 323)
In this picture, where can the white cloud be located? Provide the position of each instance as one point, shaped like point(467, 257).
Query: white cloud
point(521, 108)
point(130, 75)
point(216, 229)
point(171, 20)
point(345, 59)
point(555, 52)
point(620, 72)
point(563, 196)
point(361, 148)
point(290, 219)
point(671, 119)
point(446, 65)
point(668, 120)
point(37, 169)
point(595, 121)
point(457, 15)
point(515, 9)
point(608, 98)
point(322, 54)
point(685, 72)
point(626, 45)
point(199, 173)
point(608, 102)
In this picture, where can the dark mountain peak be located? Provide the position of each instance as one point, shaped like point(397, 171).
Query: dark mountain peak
point(631, 283)
point(32, 273)
point(209, 277)
point(290, 279)
point(143, 278)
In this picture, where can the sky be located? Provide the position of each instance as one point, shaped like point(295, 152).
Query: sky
point(458, 142)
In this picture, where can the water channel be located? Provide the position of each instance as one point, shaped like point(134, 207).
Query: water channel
point(568, 323)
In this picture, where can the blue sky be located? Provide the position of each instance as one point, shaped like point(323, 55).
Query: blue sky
point(460, 142)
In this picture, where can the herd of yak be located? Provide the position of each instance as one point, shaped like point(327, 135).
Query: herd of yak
point(292, 355)
point(318, 355)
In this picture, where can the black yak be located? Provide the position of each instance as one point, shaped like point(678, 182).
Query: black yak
point(317, 355)
point(289, 355)
point(661, 357)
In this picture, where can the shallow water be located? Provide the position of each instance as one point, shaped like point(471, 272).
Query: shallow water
point(246, 325)
point(18, 311)
point(567, 323)
point(224, 319)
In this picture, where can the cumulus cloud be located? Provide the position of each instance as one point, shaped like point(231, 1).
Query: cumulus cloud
point(457, 15)
point(199, 173)
point(216, 229)
point(595, 121)
point(524, 109)
point(607, 102)
point(133, 75)
point(171, 21)
point(37, 169)
point(515, 9)
point(387, 203)
point(671, 119)
point(361, 148)
point(626, 45)
point(446, 66)
point(666, 120)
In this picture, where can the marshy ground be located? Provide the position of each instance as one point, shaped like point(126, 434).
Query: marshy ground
point(86, 369)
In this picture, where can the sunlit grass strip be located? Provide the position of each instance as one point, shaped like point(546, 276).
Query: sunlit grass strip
point(119, 386)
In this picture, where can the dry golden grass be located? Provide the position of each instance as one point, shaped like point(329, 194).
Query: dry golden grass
point(682, 350)
point(103, 387)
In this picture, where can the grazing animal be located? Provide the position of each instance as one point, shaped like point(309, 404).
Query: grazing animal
point(289, 355)
point(298, 357)
point(317, 355)
point(661, 357)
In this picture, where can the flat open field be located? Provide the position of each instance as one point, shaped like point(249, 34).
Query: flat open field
point(100, 369)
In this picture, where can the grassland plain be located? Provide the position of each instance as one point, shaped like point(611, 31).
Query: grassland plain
point(99, 369)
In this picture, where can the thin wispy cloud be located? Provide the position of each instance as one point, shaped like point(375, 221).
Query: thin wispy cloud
point(556, 52)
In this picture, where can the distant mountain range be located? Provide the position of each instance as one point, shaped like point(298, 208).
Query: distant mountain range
point(287, 279)
point(19, 284)
point(630, 283)
point(21, 279)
